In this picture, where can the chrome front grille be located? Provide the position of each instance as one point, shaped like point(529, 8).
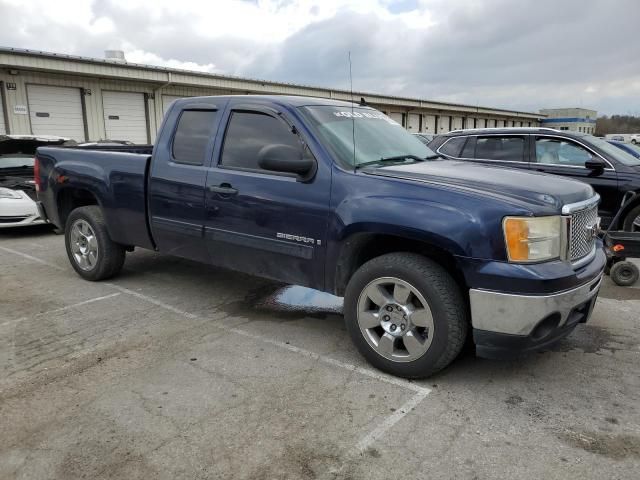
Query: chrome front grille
point(583, 227)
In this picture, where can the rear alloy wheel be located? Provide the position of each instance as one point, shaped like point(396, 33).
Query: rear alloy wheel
point(84, 245)
point(92, 253)
point(406, 314)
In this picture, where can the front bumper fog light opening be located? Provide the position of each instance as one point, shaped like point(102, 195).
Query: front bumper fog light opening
point(546, 327)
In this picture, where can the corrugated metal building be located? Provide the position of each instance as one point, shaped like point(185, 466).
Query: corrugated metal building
point(92, 99)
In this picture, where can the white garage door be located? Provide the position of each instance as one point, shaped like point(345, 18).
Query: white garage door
point(414, 122)
point(3, 127)
point(56, 111)
point(397, 116)
point(167, 100)
point(499, 123)
point(481, 123)
point(457, 123)
point(429, 123)
point(443, 124)
point(124, 116)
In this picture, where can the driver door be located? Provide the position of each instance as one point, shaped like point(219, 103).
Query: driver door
point(262, 222)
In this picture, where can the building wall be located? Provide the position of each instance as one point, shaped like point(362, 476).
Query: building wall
point(580, 120)
point(92, 78)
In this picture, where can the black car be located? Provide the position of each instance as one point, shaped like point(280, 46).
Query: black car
point(610, 171)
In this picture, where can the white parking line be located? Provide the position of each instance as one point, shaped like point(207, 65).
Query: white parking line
point(331, 361)
point(61, 309)
point(29, 257)
point(152, 300)
point(367, 440)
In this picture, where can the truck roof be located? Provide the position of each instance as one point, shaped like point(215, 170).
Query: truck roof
point(288, 100)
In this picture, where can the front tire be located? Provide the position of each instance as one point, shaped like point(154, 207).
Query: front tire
point(92, 253)
point(406, 315)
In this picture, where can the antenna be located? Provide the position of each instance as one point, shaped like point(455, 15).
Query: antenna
point(353, 120)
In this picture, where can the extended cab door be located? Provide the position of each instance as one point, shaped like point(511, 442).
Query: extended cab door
point(563, 156)
point(177, 181)
point(263, 222)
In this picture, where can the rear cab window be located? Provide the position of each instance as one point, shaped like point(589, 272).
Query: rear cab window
point(195, 129)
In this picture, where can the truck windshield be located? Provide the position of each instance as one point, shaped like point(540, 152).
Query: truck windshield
point(378, 138)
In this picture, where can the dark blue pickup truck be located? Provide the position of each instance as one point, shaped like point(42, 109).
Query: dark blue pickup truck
point(340, 198)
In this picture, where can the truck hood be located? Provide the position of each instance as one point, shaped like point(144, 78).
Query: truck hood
point(523, 187)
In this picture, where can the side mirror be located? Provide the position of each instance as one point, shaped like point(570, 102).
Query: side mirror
point(283, 158)
point(596, 164)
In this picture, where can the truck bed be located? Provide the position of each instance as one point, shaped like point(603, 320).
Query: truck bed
point(115, 176)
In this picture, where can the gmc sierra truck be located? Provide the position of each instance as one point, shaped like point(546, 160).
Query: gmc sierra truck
point(340, 198)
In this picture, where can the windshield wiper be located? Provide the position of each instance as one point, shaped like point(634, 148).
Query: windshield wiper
point(396, 158)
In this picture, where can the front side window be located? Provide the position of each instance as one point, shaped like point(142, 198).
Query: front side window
point(510, 149)
point(195, 129)
point(248, 133)
point(555, 151)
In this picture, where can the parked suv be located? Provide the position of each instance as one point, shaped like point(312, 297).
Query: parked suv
point(610, 171)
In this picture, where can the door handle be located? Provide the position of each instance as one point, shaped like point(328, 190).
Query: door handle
point(223, 189)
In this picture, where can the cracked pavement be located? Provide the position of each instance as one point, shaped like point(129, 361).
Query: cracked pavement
point(97, 381)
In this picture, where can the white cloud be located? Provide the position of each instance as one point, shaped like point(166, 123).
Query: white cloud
point(525, 54)
point(148, 58)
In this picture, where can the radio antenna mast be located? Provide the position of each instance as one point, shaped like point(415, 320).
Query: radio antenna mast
point(353, 120)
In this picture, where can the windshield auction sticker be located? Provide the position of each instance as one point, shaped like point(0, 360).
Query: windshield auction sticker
point(371, 115)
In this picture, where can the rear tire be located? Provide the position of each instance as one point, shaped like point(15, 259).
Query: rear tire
point(92, 253)
point(624, 273)
point(418, 322)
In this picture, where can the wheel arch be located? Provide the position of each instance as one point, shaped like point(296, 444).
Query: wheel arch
point(361, 247)
point(70, 198)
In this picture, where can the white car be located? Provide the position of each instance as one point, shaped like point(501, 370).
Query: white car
point(634, 138)
point(17, 188)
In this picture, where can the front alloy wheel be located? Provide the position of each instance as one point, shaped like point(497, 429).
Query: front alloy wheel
point(395, 319)
point(405, 314)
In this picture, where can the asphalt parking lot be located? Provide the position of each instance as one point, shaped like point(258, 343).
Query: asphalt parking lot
point(174, 370)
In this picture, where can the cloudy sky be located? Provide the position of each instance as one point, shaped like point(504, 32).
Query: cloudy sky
point(520, 54)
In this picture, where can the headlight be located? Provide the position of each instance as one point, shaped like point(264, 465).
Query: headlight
point(532, 239)
point(8, 193)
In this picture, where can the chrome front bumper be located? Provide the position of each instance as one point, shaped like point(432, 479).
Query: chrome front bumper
point(520, 314)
